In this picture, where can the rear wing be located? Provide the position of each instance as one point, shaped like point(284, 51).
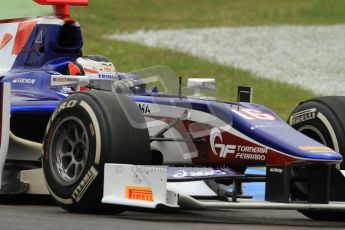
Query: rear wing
point(61, 7)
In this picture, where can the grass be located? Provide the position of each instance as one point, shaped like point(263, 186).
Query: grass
point(121, 16)
point(280, 97)
point(23, 8)
point(126, 16)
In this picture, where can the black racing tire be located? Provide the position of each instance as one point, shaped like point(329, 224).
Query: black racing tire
point(337, 191)
point(87, 130)
point(322, 119)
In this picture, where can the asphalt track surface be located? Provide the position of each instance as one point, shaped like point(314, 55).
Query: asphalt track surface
point(41, 214)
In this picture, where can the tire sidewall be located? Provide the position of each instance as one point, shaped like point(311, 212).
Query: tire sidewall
point(113, 138)
point(91, 177)
point(319, 115)
point(80, 113)
point(313, 115)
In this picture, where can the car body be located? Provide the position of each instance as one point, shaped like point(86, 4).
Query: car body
point(193, 139)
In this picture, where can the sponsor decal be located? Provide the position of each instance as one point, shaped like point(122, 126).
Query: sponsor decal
point(64, 105)
point(65, 79)
point(198, 173)
point(67, 104)
point(24, 80)
point(276, 170)
point(53, 72)
point(302, 116)
point(240, 151)
point(316, 149)
point(108, 76)
point(223, 150)
point(84, 184)
point(250, 156)
point(145, 109)
point(139, 193)
point(252, 114)
point(108, 67)
point(251, 149)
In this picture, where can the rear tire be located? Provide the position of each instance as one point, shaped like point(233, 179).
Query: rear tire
point(87, 130)
point(322, 119)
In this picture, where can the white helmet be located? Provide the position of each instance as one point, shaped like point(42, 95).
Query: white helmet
point(93, 65)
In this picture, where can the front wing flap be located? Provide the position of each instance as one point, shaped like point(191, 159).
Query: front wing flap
point(138, 186)
point(149, 187)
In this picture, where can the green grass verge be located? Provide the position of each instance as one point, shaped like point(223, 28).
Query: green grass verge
point(108, 16)
point(21, 8)
point(280, 97)
point(123, 15)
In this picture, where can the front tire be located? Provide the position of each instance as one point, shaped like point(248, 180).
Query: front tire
point(323, 119)
point(87, 130)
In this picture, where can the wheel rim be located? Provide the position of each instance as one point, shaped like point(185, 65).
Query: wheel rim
point(69, 151)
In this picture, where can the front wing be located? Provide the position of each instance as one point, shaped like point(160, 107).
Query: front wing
point(150, 187)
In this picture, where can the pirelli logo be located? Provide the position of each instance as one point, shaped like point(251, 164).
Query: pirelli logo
point(139, 193)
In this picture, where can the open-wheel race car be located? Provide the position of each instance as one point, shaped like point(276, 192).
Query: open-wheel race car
point(105, 140)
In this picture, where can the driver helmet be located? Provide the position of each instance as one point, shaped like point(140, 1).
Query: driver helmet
point(92, 65)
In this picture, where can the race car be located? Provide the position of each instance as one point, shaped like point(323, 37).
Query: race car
point(98, 140)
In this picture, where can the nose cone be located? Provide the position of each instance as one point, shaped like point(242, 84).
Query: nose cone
point(319, 152)
point(278, 135)
point(287, 140)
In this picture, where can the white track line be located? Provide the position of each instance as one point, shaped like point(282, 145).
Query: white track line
point(311, 56)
